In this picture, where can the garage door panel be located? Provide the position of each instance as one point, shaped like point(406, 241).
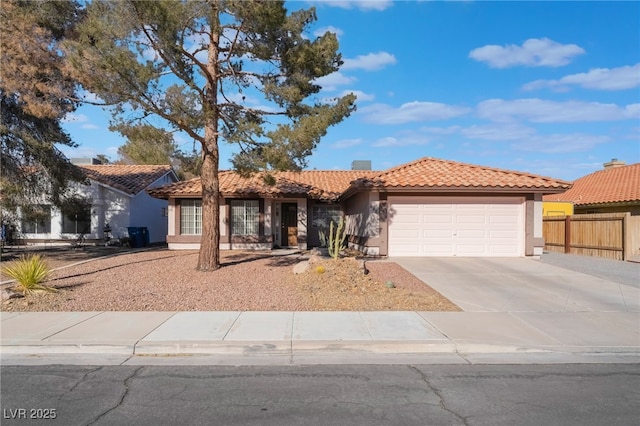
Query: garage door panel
point(470, 219)
point(463, 227)
point(477, 234)
point(408, 219)
point(503, 219)
point(408, 250)
point(406, 234)
point(437, 233)
point(470, 250)
point(436, 219)
point(434, 249)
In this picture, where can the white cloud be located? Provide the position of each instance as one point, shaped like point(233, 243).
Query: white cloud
point(346, 143)
point(498, 132)
point(332, 81)
point(390, 141)
point(411, 112)
point(320, 31)
point(620, 78)
point(361, 96)
point(370, 62)
point(543, 111)
point(533, 52)
point(441, 130)
point(90, 126)
point(560, 143)
point(358, 4)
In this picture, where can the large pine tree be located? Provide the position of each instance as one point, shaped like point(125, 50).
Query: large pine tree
point(193, 64)
point(35, 95)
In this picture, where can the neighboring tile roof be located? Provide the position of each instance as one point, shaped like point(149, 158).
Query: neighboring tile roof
point(613, 185)
point(443, 174)
point(130, 179)
point(330, 185)
point(321, 185)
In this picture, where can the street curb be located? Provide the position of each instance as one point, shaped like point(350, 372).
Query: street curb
point(248, 349)
point(79, 349)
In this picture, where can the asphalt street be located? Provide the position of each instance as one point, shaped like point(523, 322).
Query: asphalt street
point(587, 394)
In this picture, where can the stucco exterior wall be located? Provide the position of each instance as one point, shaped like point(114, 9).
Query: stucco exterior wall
point(363, 224)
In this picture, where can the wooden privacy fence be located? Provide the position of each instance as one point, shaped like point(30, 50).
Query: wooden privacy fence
point(610, 235)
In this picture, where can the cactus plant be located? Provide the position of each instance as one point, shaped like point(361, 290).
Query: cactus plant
point(336, 239)
point(323, 238)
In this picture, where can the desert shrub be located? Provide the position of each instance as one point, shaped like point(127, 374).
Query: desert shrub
point(29, 272)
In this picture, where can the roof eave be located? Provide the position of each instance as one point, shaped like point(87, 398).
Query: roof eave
point(475, 189)
point(608, 204)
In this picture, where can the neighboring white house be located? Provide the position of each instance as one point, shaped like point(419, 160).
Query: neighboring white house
point(118, 198)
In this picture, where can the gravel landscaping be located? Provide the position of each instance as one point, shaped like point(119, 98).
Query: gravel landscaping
point(163, 280)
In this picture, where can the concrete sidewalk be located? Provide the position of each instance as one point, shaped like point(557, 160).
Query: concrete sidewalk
point(515, 311)
point(321, 337)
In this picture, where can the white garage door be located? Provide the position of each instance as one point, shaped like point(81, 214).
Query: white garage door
point(455, 226)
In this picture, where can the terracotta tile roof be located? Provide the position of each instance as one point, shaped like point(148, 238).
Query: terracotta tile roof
point(321, 185)
point(613, 185)
point(330, 185)
point(130, 179)
point(442, 174)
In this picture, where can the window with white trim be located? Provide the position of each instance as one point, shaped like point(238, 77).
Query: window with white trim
point(36, 219)
point(77, 221)
point(323, 215)
point(245, 217)
point(191, 217)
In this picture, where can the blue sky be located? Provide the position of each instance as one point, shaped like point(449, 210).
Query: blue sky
point(551, 88)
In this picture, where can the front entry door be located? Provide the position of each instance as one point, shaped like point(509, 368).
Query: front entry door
point(289, 226)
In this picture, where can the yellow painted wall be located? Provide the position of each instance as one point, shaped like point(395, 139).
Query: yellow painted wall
point(557, 208)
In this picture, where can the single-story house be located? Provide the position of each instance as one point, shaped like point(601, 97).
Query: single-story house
point(118, 198)
point(429, 207)
point(615, 189)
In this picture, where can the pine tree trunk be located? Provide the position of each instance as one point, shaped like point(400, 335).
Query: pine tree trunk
point(209, 256)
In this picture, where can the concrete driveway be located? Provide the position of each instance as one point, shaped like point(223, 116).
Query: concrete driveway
point(520, 285)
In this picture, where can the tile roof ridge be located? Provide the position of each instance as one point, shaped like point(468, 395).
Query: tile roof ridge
point(405, 165)
point(611, 169)
point(474, 166)
point(139, 167)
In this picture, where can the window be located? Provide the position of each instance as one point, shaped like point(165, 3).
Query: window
point(36, 219)
point(191, 217)
point(323, 215)
point(244, 217)
point(77, 221)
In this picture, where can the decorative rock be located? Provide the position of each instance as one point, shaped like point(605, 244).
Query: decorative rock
point(10, 294)
point(320, 251)
point(301, 267)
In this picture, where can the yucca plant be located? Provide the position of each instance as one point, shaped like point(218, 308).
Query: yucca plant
point(30, 272)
